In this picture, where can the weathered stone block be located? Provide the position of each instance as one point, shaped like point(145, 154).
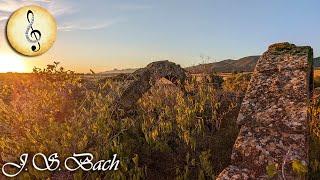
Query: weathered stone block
point(282, 56)
point(143, 79)
point(257, 147)
point(274, 114)
point(277, 99)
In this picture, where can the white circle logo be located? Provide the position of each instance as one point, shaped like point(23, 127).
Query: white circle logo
point(31, 30)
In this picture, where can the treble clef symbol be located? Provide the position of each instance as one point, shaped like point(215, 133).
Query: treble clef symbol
point(35, 35)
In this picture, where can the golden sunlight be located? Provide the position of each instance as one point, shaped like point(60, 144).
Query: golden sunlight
point(11, 63)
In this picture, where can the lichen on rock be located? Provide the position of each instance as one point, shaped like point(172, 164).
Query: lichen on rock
point(274, 115)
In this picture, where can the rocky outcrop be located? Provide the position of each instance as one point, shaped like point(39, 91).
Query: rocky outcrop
point(274, 116)
point(143, 79)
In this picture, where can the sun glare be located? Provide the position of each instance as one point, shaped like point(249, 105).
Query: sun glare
point(11, 63)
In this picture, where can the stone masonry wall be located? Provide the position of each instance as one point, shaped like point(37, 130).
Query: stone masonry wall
point(274, 115)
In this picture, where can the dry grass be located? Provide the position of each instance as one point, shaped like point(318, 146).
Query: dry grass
point(316, 77)
point(317, 73)
point(170, 134)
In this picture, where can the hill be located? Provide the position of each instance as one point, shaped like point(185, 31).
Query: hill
point(245, 64)
point(316, 62)
point(241, 65)
point(119, 71)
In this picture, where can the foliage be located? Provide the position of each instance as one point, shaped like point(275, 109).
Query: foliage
point(299, 168)
point(314, 152)
point(272, 170)
point(237, 82)
point(184, 135)
point(317, 78)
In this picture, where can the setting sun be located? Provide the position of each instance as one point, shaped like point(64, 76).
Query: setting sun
point(11, 63)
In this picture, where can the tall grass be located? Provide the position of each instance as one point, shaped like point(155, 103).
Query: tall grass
point(171, 134)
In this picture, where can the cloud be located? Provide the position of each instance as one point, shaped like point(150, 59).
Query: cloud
point(3, 18)
point(61, 8)
point(57, 8)
point(132, 7)
point(85, 26)
point(46, 1)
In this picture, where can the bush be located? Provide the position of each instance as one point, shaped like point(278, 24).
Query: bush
point(58, 111)
point(237, 82)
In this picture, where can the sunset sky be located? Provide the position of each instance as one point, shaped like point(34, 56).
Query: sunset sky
point(107, 34)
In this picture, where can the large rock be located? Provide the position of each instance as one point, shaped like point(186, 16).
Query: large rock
point(274, 115)
point(143, 79)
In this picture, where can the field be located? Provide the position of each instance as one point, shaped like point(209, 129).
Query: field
point(167, 135)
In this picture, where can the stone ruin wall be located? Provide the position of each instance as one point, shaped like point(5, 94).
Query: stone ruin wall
point(274, 115)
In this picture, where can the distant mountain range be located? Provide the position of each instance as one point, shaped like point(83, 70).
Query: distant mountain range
point(119, 71)
point(245, 64)
point(316, 62)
